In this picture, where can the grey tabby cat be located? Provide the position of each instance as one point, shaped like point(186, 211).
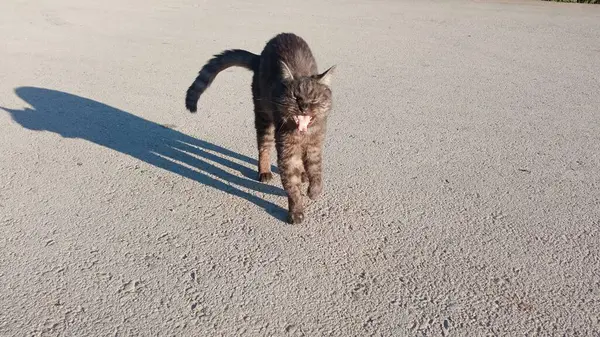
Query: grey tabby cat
point(291, 103)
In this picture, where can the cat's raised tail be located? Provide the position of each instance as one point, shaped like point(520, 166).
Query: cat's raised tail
point(220, 62)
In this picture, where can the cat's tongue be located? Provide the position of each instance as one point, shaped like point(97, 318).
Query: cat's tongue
point(303, 123)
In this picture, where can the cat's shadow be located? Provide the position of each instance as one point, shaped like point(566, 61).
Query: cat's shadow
point(72, 116)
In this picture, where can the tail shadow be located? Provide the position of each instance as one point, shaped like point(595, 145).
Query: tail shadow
point(73, 116)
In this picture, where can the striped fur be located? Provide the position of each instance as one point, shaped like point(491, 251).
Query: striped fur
point(285, 86)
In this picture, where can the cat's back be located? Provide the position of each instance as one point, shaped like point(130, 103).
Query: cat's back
point(291, 49)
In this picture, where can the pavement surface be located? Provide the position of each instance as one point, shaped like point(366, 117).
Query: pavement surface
point(462, 172)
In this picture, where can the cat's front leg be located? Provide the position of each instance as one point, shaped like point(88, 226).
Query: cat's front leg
point(290, 165)
point(313, 164)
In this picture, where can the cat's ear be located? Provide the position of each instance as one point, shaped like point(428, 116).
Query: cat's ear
point(326, 77)
point(286, 72)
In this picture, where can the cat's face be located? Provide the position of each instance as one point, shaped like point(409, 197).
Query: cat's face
point(307, 99)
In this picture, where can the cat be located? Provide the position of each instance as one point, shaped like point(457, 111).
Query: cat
point(292, 101)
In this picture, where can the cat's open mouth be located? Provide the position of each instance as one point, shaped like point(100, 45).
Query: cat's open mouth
point(303, 122)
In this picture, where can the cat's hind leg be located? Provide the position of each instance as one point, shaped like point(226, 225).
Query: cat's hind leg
point(265, 135)
point(266, 141)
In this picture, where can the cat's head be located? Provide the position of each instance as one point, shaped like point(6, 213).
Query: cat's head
point(306, 99)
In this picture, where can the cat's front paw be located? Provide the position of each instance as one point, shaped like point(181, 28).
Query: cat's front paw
point(295, 218)
point(265, 177)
